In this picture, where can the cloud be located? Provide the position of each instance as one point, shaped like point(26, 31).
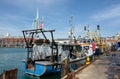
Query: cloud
point(6, 28)
point(48, 1)
point(31, 4)
point(109, 13)
point(108, 19)
point(15, 20)
point(12, 17)
point(14, 24)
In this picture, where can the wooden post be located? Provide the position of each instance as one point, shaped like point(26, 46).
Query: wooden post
point(10, 74)
point(71, 76)
point(65, 67)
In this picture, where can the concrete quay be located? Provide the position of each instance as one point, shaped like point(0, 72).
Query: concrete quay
point(105, 67)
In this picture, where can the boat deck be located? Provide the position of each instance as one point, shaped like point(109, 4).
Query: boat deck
point(46, 63)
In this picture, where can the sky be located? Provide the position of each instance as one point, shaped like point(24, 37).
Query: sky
point(18, 15)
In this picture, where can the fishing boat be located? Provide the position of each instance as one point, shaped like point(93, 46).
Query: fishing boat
point(41, 53)
point(46, 56)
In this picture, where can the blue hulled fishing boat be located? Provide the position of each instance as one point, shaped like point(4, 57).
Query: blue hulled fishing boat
point(45, 56)
point(42, 57)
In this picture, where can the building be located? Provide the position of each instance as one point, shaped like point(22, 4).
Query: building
point(108, 40)
point(11, 41)
point(0, 41)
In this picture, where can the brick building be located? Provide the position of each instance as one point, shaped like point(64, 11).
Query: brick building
point(10, 41)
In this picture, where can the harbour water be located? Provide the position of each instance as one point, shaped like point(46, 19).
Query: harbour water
point(11, 58)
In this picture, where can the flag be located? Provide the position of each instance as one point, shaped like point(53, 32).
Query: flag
point(42, 23)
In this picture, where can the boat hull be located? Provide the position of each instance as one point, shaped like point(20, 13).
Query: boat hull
point(41, 69)
point(44, 67)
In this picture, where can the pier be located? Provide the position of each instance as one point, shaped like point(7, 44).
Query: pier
point(105, 67)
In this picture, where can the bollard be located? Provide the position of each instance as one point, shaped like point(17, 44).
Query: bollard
point(88, 60)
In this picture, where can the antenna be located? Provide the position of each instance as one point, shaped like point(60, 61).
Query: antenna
point(87, 31)
point(71, 27)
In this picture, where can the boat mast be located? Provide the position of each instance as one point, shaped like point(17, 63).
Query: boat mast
point(98, 33)
point(87, 33)
point(37, 20)
point(71, 29)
